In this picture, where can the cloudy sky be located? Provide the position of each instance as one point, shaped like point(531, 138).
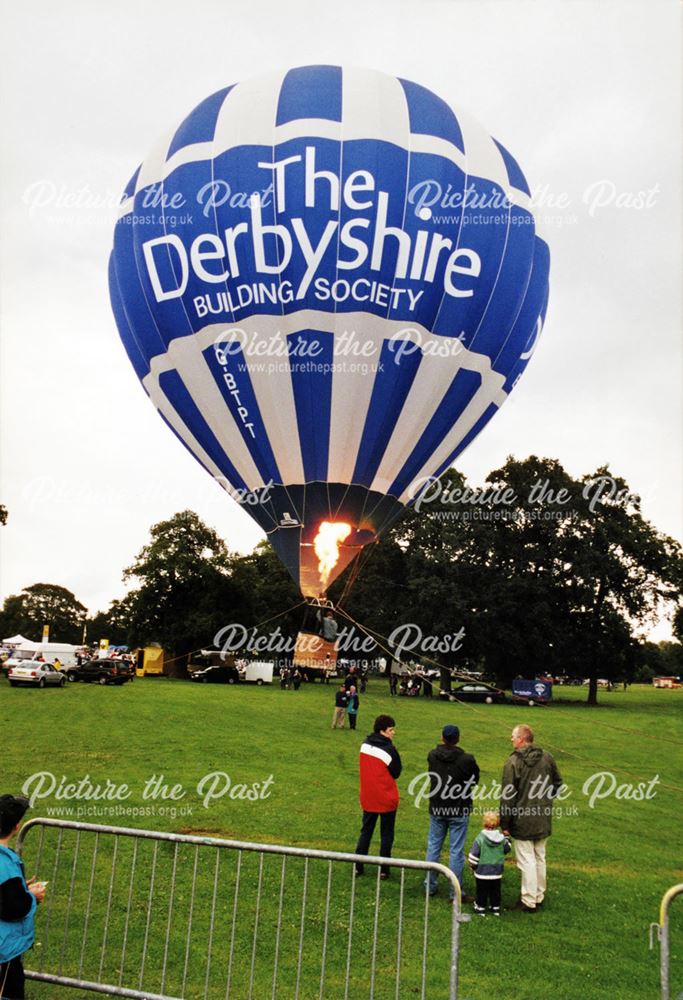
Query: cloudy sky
point(585, 94)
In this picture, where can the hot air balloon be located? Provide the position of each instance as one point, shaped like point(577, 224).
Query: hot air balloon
point(328, 281)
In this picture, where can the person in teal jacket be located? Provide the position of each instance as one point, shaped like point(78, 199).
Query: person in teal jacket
point(487, 855)
point(18, 901)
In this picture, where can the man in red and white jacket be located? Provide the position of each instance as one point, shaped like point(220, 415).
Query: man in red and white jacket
point(380, 766)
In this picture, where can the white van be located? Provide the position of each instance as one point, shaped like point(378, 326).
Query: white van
point(259, 672)
point(50, 651)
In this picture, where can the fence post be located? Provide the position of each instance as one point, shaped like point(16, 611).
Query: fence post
point(662, 931)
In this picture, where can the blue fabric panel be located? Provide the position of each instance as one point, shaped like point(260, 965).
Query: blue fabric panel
point(129, 190)
point(489, 412)
point(510, 289)
point(430, 115)
point(511, 360)
point(200, 124)
point(313, 398)
point(133, 349)
point(515, 175)
point(393, 381)
point(458, 396)
point(234, 384)
point(287, 545)
point(311, 92)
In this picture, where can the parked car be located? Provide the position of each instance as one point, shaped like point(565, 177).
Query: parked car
point(18, 658)
point(478, 691)
point(216, 675)
point(36, 674)
point(102, 671)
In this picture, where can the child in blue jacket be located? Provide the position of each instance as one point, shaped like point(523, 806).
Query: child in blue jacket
point(18, 901)
point(487, 855)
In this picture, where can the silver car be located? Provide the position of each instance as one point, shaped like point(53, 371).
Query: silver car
point(36, 673)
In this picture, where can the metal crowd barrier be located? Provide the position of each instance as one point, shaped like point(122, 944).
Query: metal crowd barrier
point(662, 931)
point(165, 916)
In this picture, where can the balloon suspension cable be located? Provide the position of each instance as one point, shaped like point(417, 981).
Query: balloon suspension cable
point(259, 625)
point(356, 567)
point(457, 674)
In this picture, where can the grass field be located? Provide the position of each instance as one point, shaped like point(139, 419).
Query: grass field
point(608, 864)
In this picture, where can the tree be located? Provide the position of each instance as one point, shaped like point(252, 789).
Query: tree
point(671, 658)
point(578, 567)
point(677, 624)
point(4, 514)
point(112, 624)
point(545, 573)
point(186, 593)
point(44, 604)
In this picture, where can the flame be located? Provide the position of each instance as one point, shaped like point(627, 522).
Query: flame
point(326, 545)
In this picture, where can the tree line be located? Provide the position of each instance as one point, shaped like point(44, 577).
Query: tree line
point(538, 572)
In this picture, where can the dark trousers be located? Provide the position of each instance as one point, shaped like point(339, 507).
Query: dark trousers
point(352, 719)
point(387, 821)
point(488, 891)
point(12, 979)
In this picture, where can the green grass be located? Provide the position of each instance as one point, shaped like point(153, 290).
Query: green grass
point(608, 865)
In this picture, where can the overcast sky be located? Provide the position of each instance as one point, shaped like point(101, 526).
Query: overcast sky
point(586, 95)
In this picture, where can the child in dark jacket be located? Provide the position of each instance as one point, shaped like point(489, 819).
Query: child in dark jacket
point(487, 855)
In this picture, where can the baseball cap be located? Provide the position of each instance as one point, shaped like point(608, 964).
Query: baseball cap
point(450, 733)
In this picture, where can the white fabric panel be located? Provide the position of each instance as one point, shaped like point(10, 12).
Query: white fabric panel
point(374, 107)
point(441, 147)
point(432, 380)
point(483, 157)
point(275, 397)
point(184, 357)
point(351, 395)
point(248, 114)
point(152, 169)
point(318, 128)
point(490, 392)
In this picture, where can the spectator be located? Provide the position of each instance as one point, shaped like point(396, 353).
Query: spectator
point(341, 700)
point(486, 856)
point(453, 775)
point(380, 766)
point(18, 901)
point(352, 707)
point(531, 781)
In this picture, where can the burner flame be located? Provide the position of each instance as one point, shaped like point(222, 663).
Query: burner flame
point(326, 545)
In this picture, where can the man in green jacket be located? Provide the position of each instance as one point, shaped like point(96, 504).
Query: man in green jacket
point(531, 781)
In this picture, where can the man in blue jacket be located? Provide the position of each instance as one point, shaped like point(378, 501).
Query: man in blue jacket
point(18, 901)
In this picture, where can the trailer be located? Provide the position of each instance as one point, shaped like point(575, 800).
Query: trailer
point(149, 661)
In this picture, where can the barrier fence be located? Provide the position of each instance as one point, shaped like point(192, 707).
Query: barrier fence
point(165, 916)
point(662, 931)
